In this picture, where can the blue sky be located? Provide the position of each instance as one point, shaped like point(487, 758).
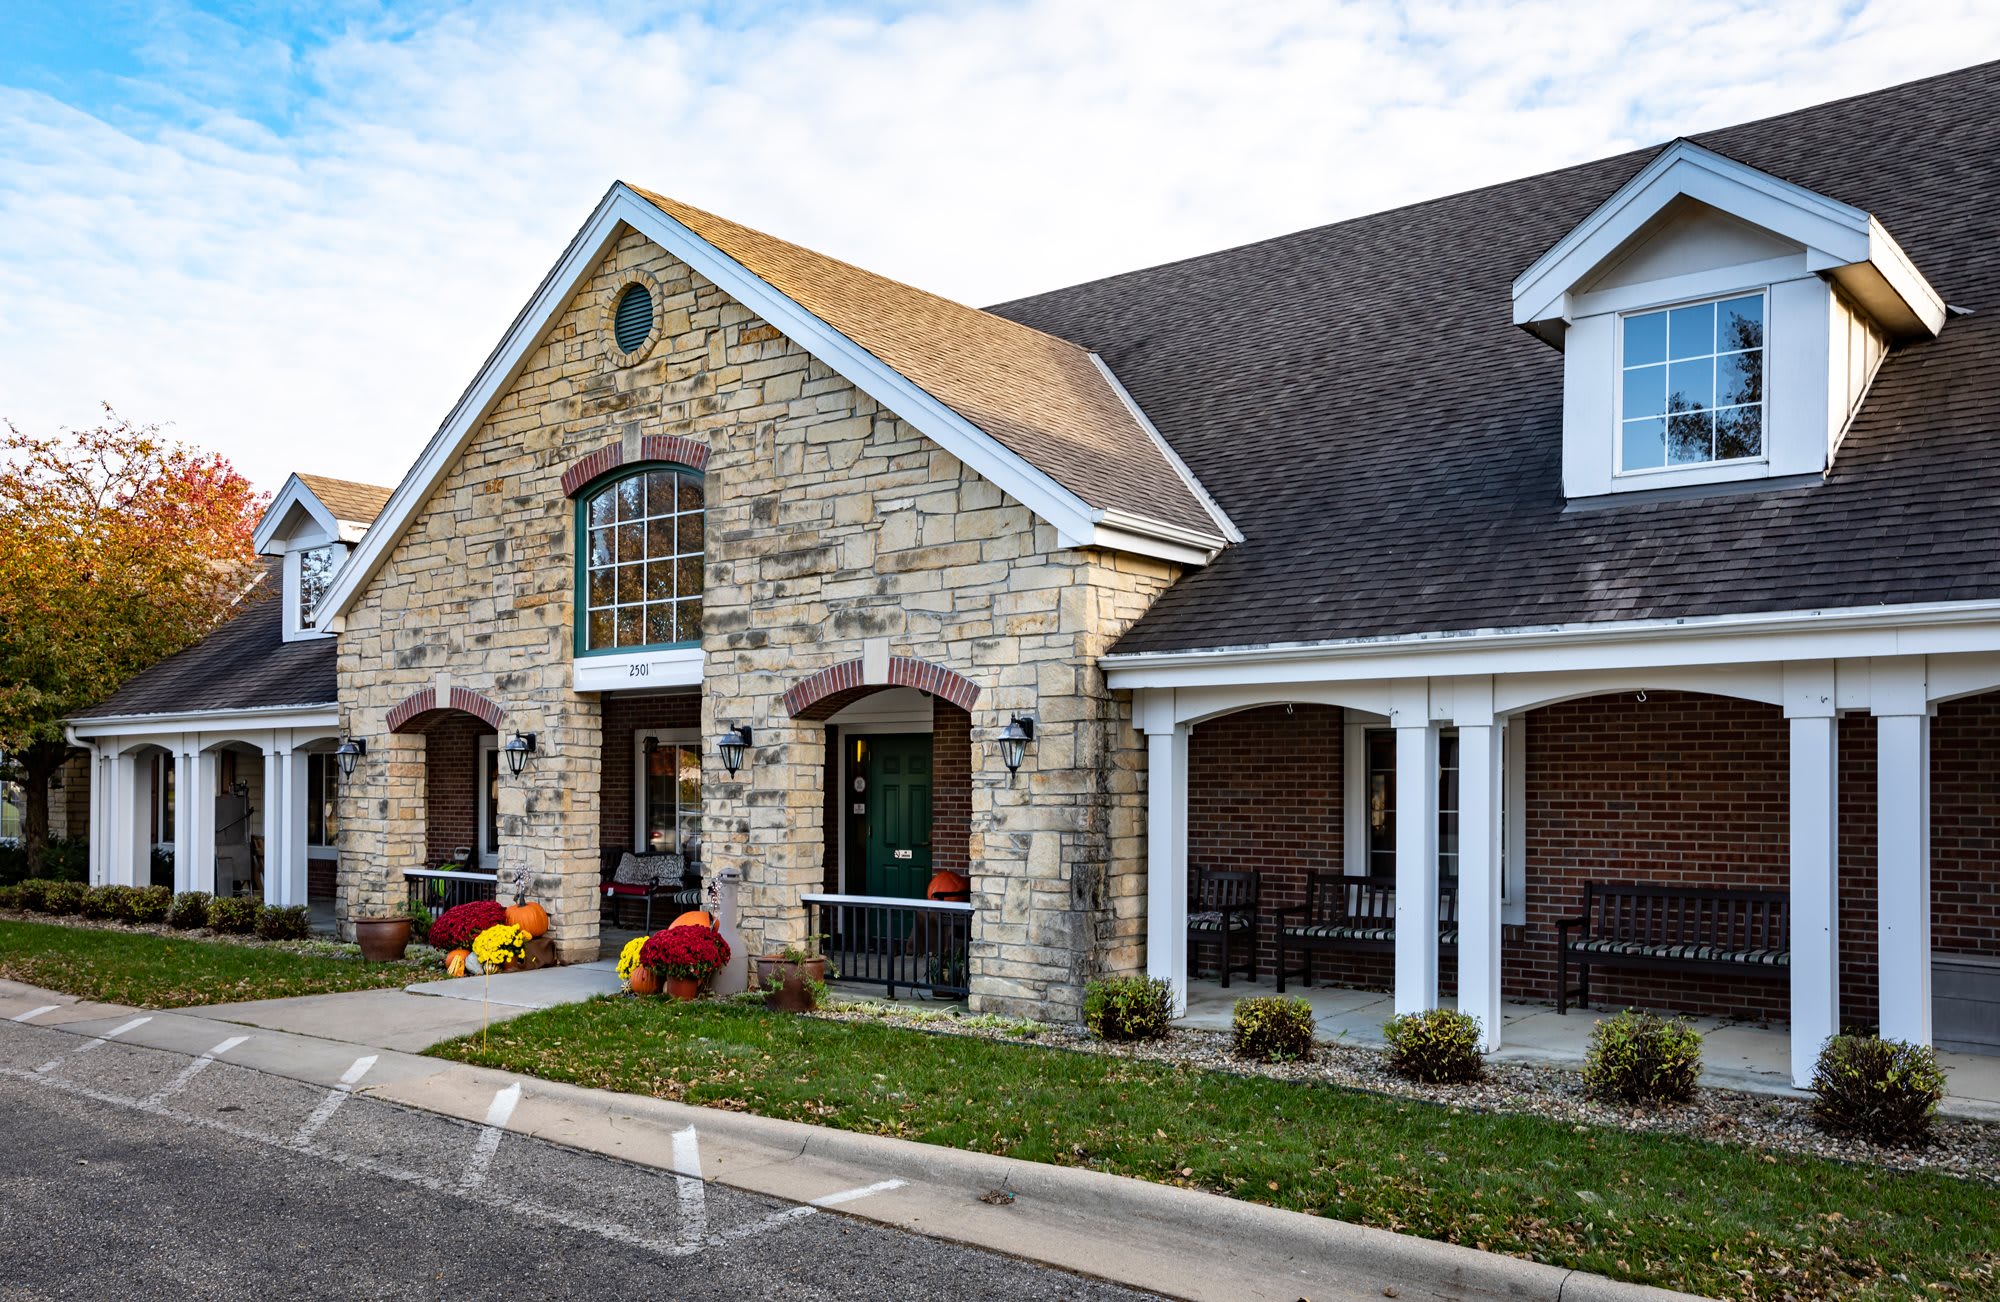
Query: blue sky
point(293, 231)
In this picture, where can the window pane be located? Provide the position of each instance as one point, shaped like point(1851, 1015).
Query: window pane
point(631, 542)
point(690, 493)
point(631, 498)
point(631, 626)
point(687, 623)
point(1739, 432)
point(631, 583)
point(660, 492)
point(660, 623)
point(689, 581)
point(1691, 385)
point(1645, 392)
point(1742, 323)
point(603, 507)
point(659, 538)
point(602, 587)
point(1691, 331)
point(690, 540)
point(1645, 338)
point(600, 547)
point(599, 633)
point(1688, 439)
point(1645, 444)
point(1739, 377)
point(660, 581)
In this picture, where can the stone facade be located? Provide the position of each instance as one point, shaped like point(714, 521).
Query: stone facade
point(835, 532)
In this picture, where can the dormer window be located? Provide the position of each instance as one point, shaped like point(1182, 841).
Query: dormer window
point(316, 567)
point(1692, 384)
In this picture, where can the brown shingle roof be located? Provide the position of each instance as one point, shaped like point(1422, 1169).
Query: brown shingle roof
point(347, 499)
point(1041, 397)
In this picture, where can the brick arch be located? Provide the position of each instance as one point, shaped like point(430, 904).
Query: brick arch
point(653, 447)
point(831, 690)
point(463, 699)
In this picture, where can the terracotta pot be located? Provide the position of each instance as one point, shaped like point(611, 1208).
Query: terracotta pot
point(794, 993)
point(382, 940)
point(684, 987)
point(643, 981)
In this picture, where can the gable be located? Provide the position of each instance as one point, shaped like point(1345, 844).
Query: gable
point(1686, 238)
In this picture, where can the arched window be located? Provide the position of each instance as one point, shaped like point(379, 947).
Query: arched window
point(639, 572)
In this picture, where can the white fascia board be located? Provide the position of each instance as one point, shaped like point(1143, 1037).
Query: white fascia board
point(293, 496)
point(1935, 629)
point(1223, 523)
point(220, 722)
point(1888, 257)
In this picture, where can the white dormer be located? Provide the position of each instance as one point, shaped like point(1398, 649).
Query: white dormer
point(1717, 324)
point(313, 523)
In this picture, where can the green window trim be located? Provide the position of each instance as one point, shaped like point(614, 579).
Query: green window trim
point(656, 588)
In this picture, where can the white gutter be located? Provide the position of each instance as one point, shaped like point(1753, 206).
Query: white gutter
point(327, 712)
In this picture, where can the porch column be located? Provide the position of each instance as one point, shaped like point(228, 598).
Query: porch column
point(1902, 847)
point(1478, 857)
point(187, 783)
point(1815, 861)
point(201, 819)
point(102, 797)
point(284, 825)
point(1166, 844)
point(1416, 847)
point(132, 833)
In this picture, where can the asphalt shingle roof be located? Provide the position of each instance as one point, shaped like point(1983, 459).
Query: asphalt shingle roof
point(347, 499)
point(1357, 398)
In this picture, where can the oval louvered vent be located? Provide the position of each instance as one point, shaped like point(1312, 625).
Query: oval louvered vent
point(634, 319)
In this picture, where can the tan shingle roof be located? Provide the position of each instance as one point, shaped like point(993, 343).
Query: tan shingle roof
point(1040, 397)
point(347, 499)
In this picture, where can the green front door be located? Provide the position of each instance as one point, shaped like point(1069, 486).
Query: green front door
point(897, 846)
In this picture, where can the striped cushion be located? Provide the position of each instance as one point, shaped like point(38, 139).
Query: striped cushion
point(1326, 931)
point(1212, 921)
point(1683, 949)
point(688, 897)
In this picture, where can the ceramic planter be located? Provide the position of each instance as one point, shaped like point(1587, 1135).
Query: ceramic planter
point(684, 987)
point(382, 940)
point(795, 979)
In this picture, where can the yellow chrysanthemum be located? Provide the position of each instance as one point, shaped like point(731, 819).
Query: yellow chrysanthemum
point(628, 957)
point(496, 947)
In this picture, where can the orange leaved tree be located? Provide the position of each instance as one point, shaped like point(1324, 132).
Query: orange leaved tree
point(118, 547)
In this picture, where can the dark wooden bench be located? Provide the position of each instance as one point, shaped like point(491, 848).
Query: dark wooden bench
point(1672, 928)
point(680, 889)
point(1222, 908)
point(1351, 915)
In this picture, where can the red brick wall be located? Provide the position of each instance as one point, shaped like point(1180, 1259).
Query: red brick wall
point(1965, 828)
point(451, 784)
point(624, 716)
point(951, 787)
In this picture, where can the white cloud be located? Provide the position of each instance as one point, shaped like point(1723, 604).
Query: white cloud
point(315, 297)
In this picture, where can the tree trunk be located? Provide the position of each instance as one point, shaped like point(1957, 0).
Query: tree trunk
point(41, 762)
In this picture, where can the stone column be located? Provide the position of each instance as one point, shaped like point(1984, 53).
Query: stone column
point(1416, 847)
point(1815, 862)
point(1899, 701)
point(1478, 857)
point(549, 825)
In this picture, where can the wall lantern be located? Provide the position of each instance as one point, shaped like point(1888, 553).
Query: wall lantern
point(1014, 739)
point(517, 750)
point(348, 754)
point(733, 744)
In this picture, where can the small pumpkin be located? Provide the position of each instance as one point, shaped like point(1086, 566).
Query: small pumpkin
point(473, 967)
point(454, 962)
point(644, 981)
point(529, 917)
point(693, 918)
point(946, 884)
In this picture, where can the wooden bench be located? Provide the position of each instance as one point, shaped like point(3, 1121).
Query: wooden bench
point(1351, 915)
point(1672, 928)
point(1222, 908)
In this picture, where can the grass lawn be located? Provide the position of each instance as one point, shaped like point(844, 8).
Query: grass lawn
point(151, 971)
point(1660, 1209)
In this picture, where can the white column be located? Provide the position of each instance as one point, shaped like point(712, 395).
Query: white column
point(1478, 857)
point(1903, 846)
point(275, 805)
point(1166, 844)
point(103, 795)
point(285, 801)
point(1815, 860)
point(201, 820)
point(1416, 847)
point(187, 782)
point(132, 837)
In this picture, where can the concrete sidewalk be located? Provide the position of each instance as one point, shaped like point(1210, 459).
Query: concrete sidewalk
point(1173, 1241)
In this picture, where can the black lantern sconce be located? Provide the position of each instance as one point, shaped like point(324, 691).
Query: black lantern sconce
point(733, 744)
point(1014, 739)
point(348, 754)
point(517, 750)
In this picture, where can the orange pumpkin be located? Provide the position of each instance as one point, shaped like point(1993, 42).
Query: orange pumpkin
point(643, 981)
point(529, 917)
point(693, 918)
point(947, 884)
point(454, 962)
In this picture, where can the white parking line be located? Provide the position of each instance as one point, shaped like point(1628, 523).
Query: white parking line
point(849, 1195)
point(688, 1184)
point(189, 1072)
point(334, 1098)
point(33, 1013)
point(497, 1113)
point(88, 1045)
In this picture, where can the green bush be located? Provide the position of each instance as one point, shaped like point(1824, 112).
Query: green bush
point(34, 894)
point(1273, 1028)
point(1886, 1091)
point(283, 924)
point(189, 910)
point(149, 904)
point(102, 902)
point(1128, 1008)
point(420, 922)
point(1642, 1058)
point(64, 859)
point(10, 897)
point(66, 898)
point(1438, 1047)
point(234, 915)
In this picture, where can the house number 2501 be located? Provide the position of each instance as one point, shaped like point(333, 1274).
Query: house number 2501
point(638, 671)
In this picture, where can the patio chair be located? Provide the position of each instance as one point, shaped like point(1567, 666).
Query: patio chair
point(1222, 910)
point(631, 877)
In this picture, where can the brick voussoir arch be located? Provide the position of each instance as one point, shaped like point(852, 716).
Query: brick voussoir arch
point(653, 447)
point(827, 691)
point(417, 704)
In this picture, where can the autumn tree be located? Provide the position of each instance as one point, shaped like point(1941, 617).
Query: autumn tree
point(118, 547)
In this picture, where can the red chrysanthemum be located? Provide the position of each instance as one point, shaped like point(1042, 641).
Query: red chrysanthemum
point(456, 926)
point(685, 952)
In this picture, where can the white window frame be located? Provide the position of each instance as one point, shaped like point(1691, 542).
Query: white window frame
point(665, 737)
point(488, 860)
point(1763, 457)
point(296, 628)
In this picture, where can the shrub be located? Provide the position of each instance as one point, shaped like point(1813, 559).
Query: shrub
point(102, 902)
point(233, 915)
point(1274, 1028)
point(149, 904)
point(283, 924)
point(1438, 1047)
point(420, 922)
point(1886, 1091)
point(456, 927)
point(64, 859)
point(189, 910)
point(34, 894)
point(1642, 1058)
point(683, 953)
point(1128, 1008)
point(65, 898)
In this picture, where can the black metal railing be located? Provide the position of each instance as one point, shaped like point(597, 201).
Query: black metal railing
point(908, 945)
point(437, 889)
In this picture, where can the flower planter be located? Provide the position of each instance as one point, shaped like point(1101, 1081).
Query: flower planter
point(382, 940)
point(684, 987)
point(796, 979)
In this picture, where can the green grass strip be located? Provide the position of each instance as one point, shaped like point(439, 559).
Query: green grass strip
point(1667, 1210)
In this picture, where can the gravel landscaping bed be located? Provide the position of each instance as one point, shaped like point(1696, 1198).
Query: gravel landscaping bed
point(1964, 1148)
